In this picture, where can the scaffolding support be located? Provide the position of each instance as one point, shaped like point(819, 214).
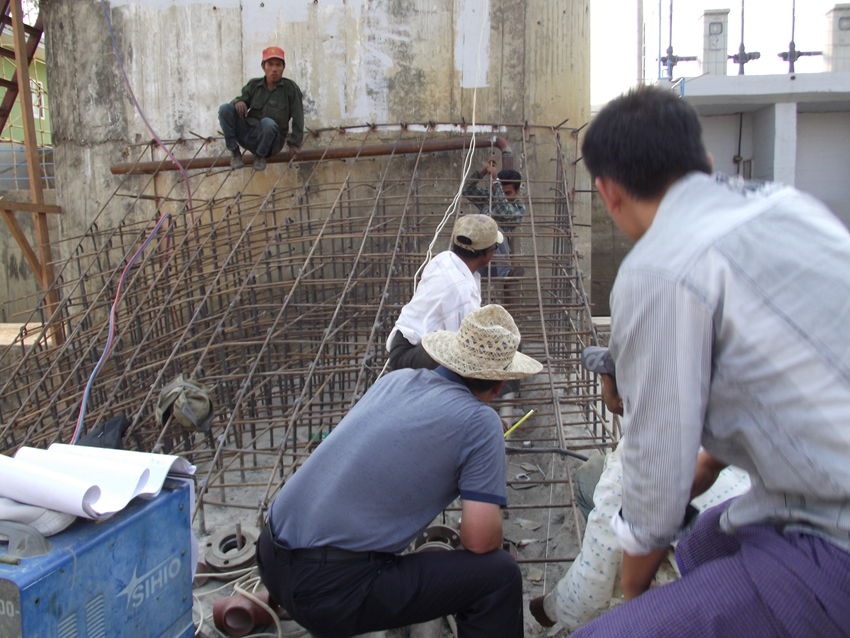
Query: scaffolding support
point(42, 262)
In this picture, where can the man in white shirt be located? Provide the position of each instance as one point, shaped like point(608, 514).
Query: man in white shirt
point(449, 290)
point(729, 329)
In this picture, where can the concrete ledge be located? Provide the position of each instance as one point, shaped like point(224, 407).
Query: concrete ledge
point(10, 331)
point(603, 329)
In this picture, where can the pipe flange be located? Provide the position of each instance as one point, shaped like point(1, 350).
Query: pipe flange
point(200, 569)
point(434, 546)
point(226, 551)
point(439, 534)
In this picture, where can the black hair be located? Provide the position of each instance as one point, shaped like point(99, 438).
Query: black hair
point(644, 140)
point(480, 385)
point(466, 253)
point(510, 176)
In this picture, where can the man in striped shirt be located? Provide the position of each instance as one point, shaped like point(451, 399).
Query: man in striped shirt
point(728, 329)
point(501, 203)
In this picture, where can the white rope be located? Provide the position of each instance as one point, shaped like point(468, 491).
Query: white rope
point(467, 164)
point(467, 161)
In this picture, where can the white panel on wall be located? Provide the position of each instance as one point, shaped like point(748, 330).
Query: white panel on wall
point(720, 136)
point(823, 159)
point(472, 42)
point(785, 145)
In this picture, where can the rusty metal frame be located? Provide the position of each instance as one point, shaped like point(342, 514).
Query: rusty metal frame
point(42, 262)
point(279, 297)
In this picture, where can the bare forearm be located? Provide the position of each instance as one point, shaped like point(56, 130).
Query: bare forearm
point(480, 527)
point(479, 545)
point(707, 470)
point(638, 572)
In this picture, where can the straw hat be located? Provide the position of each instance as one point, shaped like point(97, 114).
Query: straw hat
point(485, 347)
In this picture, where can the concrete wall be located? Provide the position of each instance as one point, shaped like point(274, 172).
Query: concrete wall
point(823, 160)
point(720, 134)
point(610, 246)
point(356, 61)
point(785, 144)
point(19, 287)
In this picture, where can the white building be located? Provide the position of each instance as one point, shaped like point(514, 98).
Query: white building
point(792, 128)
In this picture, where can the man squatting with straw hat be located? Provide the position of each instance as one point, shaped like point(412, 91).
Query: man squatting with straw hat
point(330, 552)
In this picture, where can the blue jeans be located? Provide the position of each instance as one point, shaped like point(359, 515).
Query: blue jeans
point(262, 139)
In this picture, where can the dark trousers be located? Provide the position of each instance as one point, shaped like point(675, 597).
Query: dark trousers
point(262, 139)
point(338, 598)
point(587, 477)
point(404, 354)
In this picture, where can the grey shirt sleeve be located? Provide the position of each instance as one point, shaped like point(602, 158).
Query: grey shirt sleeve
point(662, 345)
point(482, 459)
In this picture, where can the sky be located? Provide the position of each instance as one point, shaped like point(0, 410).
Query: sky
point(767, 29)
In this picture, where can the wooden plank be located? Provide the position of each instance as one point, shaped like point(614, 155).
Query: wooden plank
point(23, 242)
point(34, 169)
point(32, 45)
point(25, 99)
point(27, 207)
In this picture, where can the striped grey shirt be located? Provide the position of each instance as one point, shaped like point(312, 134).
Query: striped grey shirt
point(730, 329)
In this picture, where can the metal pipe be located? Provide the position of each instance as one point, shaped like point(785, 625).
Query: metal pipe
point(336, 153)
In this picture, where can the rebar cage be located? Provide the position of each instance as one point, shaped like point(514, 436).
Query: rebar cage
point(277, 290)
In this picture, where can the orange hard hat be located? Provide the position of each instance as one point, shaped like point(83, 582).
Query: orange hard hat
point(273, 52)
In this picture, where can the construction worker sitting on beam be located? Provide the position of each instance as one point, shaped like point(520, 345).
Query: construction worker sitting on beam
point(259, 119)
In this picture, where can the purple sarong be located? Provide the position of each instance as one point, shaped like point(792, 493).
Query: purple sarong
point(759, 583)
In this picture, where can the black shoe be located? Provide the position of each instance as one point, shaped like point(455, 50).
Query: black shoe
point(259, 164)
point(236, 160)
point(535, 606)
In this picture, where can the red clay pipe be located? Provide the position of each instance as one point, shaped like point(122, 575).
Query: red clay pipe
point(406, 147)
point(238, 616)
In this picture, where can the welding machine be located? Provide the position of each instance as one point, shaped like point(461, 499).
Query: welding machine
point(127, 576)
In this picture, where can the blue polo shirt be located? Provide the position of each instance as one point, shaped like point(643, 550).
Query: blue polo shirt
point(417, 440)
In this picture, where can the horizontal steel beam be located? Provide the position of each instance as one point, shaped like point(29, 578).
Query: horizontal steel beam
point(406, 147)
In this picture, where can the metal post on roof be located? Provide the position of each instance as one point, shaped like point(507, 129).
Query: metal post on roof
point(672, 60)
point(641, 44)
point(792, 54)
point(742, 57)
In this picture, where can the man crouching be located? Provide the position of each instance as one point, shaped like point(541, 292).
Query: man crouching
point(418, 439)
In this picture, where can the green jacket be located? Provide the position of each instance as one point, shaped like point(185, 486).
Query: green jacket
point(281, 104)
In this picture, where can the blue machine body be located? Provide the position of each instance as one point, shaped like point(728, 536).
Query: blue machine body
point(127, 576)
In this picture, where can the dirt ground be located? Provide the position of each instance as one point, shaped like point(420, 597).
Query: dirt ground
point(540, 522)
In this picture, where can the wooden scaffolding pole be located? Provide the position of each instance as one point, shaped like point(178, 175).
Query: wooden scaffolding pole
point(42, 264)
